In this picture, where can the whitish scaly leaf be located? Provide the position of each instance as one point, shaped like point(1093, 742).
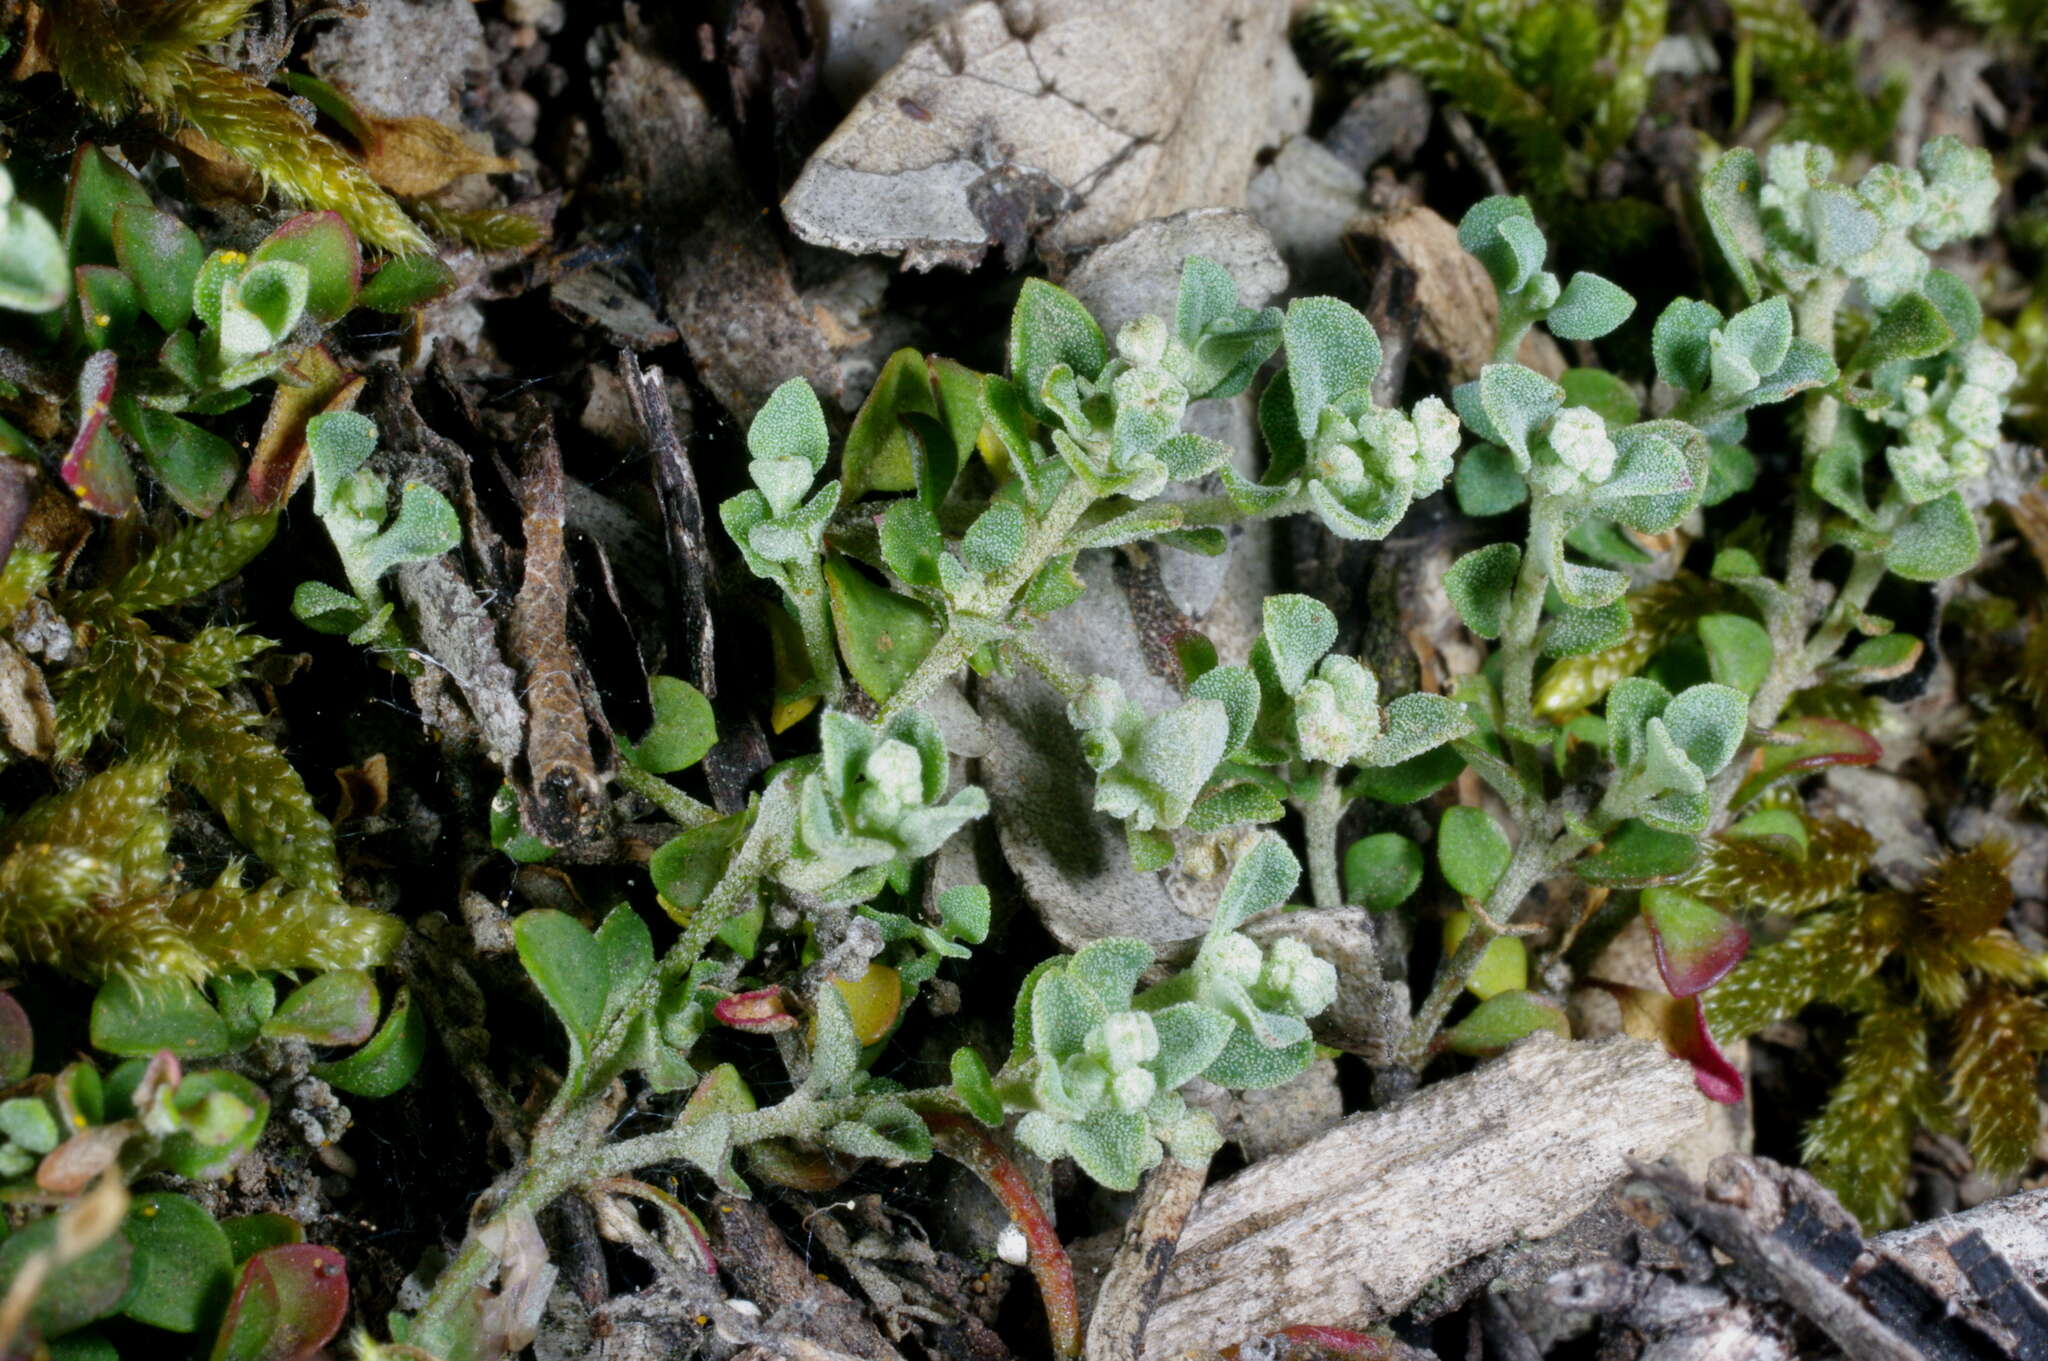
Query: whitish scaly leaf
point(1113, 1147)
point(1510, 254)
point(1681, 343)
point(1237, 690)
point(887, 1129)
point(1332, 355)
point(1708, 722)
point(1420, 723)
point(1938, 540)
point(995, 538)
point(1578, 633)
point(1471, 850)
point(1481, 584)
point(1589, 308)
point(1050, 328)
point(1261, 880)
point(835, 1048)
point(790, 424)
point(1298, 631)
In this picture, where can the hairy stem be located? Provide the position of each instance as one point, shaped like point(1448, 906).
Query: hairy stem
point(805, 589)
point(1525, 614)
point(1320, 817)
point(991, 602)
point(1536, 856)
point(565, 1152)
point(680, 807)
point(1057, 673)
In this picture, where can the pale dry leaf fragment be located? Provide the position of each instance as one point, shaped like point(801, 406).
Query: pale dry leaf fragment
point(1351, 1227)
point(1073, 120)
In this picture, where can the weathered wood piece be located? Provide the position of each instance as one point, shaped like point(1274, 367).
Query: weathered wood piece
point(1350, 1228)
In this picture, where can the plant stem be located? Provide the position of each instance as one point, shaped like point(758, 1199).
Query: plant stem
point(990, 603)
point(1057, 673)
point(561, 1155)
point(1320, 817)
point(1536, 856)
point(805, 590)
point(680, 807)
point(1525, 614)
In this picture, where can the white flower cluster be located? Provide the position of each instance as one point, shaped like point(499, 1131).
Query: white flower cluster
point(1366, 469)
point(1950, 426)
point(1576, 456)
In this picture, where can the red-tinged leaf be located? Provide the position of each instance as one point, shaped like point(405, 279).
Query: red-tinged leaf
point(1318, 1340)
point(324, 246)
point(96, 467)
point(967, 1143)
point(311, 385)
point(1678, 1024)
point(1810, 742)
point(762, 1012)
point(289, 1303)
point(1695, 945)
point(17, 1041)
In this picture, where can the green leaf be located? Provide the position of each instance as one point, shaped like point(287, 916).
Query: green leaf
point(98, 188)
point(1513, 403)
point(1247, 1065)
point(1738, 650)
point(1237, 690)
point(882, 635)
point(330, 1008)
point(248, 1235)
point(1880, 659)
point(683, 729)
point(835, 1048)
point(1332, 355)
point(197, 467)
point(1113, 1147)
point(1049, 328)
point(1682, 343)
point(1807, 742)
point(686, 867)
point(1413, 779)
point(506, 835)
point(887, 1129)
point(220, 1115)
point(326, 249)
point(259, 307)
point(1589, 308)
point(1938, 540)
point(1420, 723)
point(568, 966)
point(1503, 1020)
point(876, 455)
point(181, 1269)
point(1728, 195)
point(1487, 481)
point(1298, 631)
point(88, 1287)
point(408, 282)
point(1511, 255)
point(1577, 633)
point(1958, 305)
point(628, 954)
point(790, 424)
point(995, 538)
point(136, 1017)
point(108, 305)
point(1262, 880)
point(912, 543)
point(425, 527)
point(1636, 855)
point(1911, 328)
point(1481, 584)
point(1471, 850)
point(1708, 723)
point(384, 1065)
point(161, 255)
point(964, 912)
point(1604, 393)
point(1382, 871)
point(974, 1087)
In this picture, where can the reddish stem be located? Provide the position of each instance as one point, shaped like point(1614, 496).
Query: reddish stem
point(973, 1148)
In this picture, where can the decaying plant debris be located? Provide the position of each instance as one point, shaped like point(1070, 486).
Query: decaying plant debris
point(978, 678)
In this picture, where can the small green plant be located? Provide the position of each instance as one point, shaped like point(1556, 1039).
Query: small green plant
point(74, 1141)
point(949, 539)
point(2009, 743)
point(172, 330)
point(1935, 981)
point(353, 504)
point(32, 273)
